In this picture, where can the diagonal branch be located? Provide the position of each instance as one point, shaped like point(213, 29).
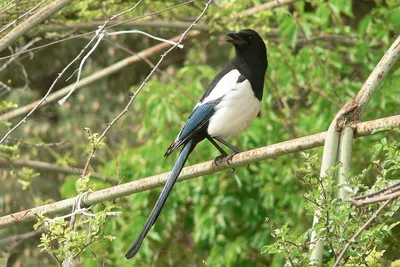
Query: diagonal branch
point(99, 32)
point(133, 97)
point(354, 237)
point(93, 78)
point(352, 111)
point(32, 22)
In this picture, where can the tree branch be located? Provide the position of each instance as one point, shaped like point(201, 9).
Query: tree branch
point(351, 111)
point(133, 97)
point(32, 22)
point(354, 237)
point(241, 159)
point(391, 191)
point(93, 78)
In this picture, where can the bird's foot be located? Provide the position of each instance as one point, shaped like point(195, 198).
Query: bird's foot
point(230, 157)
point(218, 159)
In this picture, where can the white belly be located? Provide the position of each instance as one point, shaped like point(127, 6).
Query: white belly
point(235, 112)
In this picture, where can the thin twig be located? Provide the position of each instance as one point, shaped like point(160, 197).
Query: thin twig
point(32, 22)
point(17, 53)
point(354, 237)
point(20, 17)
point(108, 27)
point(394, 195)
point(94, 77)
point(66, 68)
point(133, 97)
point(377, 192)
point(100, 35)
point(36, 144)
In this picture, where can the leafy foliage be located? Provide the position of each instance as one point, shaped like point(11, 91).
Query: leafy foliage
point(320, 53)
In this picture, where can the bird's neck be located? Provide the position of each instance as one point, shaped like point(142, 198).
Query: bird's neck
point(253, 68)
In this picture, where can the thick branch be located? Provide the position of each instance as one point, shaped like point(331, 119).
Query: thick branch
point(241, 159)
point(32, 22)
point(353, 110)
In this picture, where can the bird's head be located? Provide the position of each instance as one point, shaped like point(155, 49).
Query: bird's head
point(247, 41)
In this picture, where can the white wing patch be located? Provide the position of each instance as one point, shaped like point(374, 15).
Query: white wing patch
point(226, 84)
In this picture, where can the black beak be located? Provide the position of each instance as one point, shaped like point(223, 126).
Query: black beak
point(234, 38)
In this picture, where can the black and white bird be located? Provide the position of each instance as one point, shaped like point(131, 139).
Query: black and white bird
point(227, 108)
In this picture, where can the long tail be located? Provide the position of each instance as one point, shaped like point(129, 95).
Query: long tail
point(188, 147)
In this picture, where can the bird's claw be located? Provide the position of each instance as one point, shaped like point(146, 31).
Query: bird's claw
point(218, 159)
point(230, 157)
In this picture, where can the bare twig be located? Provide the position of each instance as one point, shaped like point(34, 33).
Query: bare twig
point(94, 77)
point(20, 237)
point(108, 27)
point(66, 68)
point(373, 200)
point(391, 191)
point(17, 53)
point(29, 12)
point(6, 5)
point(383, 190)
point(178, 25)
point(241, 159)
point(6, 88)
point(354, 237)
point(36, 144)
point(133, 97)
point(100, 35)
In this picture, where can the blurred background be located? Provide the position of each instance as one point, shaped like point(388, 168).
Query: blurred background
point(320, 53)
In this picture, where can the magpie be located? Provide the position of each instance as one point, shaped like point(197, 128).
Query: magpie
point(228, 107)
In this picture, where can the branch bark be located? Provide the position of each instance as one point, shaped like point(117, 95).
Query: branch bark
point(391, 191)
point(241, 159)
point(359, 103)
point(32, 22)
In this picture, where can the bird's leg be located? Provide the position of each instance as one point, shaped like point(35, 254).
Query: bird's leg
point(232, 147)
point(220, 149)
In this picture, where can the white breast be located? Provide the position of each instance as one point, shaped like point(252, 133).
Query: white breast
point(235, 112)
